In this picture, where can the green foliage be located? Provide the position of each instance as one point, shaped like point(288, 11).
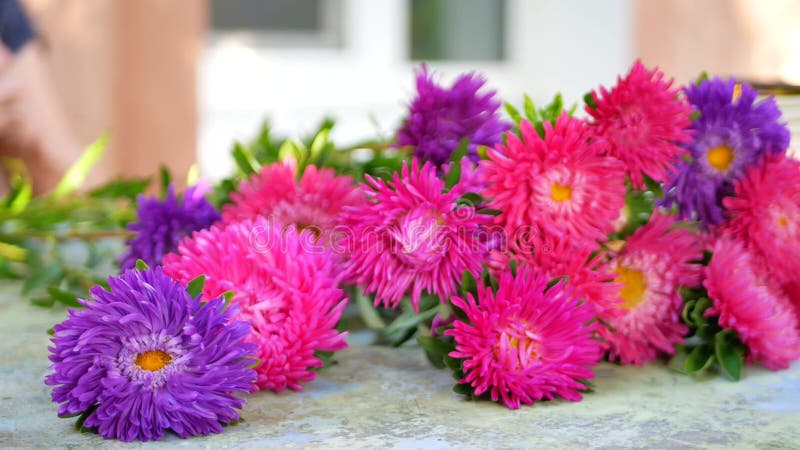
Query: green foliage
point(195, 287)
point(538, 116)
point(709, 347)
point(454, 175)
point(76, 174)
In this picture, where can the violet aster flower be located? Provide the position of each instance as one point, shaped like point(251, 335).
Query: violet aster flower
point(439, 118)
point(163, 223)
point(732, 133)
point(146, 357)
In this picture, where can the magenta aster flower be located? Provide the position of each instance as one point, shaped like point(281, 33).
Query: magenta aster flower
point(748, 303)
point(161, 224)
point(650, 269)
point(412, 236)
point(765, 215)
point(439, 118)
point(285, 285)
point(642, 120)
point(558, 184)
point(315, 201)
point(732, 133)
point(526, 342)
point(145, 357)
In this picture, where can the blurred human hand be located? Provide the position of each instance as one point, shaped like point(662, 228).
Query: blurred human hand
point(14, 130)
point(32, 126)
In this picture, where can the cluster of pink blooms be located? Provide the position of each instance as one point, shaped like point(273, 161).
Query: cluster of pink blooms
point(556, 191)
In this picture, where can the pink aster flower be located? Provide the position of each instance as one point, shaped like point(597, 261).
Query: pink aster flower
point(765, 215)
point(411, 236)
point(314, 201)
point(650, 269)
point(285, 285)
point(558, 184)
point(749, 304)
point(525, 343)
point(643, 120)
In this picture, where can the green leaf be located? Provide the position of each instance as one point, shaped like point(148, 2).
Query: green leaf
point(555, 281)
point(228, 296)
point(454, 175)
point(20, 197)
point(697, 316)
point(699, 359)
point(653, 186)
point(530, 110)
point(76, 174)
point(436, 360)
point(195, 287)
point(729, 351)
point(141, 265)
point(82, 418)
point(42, 277)
point(12, 252)
point(368, 313)
point(694, 115)
point(245, 161)
point(64, 297)
point(470, 199)
point(513, 113)
point(165, 179)
point(435, 345)
point(51, 331)
point(688, 307)
point(701, 78)
point(589, 100)
point(44, 302)
point(463, 389)
point(454, 364)
point(128, 189)
point(409, 319)
point(326, 358)
point(468, 284)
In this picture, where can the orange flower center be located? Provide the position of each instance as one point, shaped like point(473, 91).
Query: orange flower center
point(783, 221)
point(737, 92)
point(560, 193)
point(634, 286)
point(153, 360)
point(720, 157)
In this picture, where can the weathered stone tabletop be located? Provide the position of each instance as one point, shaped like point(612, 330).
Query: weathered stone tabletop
point(382, 398)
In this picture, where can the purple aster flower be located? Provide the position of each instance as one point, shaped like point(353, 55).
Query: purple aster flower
point(163, 223)
point(146, 357)
point(731, 133)
point(439, 118)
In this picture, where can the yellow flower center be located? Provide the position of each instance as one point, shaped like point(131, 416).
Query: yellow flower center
point(634, 286)
point(720, 157)
point(783, 221)
point(737, 92)
point(560, 193)
point(153, 360)
point(524, 345)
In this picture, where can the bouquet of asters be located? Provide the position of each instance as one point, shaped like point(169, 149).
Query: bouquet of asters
point(520, 246)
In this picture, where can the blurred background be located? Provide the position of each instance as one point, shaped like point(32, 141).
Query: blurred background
point(177, 81)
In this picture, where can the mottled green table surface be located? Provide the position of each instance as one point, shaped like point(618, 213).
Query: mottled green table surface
point(382, 398)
